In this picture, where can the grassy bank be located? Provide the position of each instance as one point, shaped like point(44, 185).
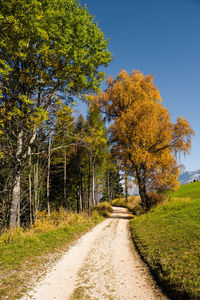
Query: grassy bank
point(168, 237)
point(26, 254)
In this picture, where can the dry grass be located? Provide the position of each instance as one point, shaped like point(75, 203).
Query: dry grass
point(104, 209)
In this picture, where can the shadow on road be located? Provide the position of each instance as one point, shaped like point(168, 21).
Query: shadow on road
point(121, 213)
point(125, 217)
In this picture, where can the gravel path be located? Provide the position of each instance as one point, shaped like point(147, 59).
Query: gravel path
point(103, 264)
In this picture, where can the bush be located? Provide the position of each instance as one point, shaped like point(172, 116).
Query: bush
point(134, 205)
point(104, 209)
point(155, 198)
point(119, 202)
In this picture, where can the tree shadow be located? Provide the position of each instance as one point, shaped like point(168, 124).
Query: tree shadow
point(121, 217)
point(125, 217)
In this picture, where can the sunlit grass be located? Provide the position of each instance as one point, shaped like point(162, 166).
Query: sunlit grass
point(169, 239)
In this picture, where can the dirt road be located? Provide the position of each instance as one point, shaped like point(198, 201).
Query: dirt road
point(103, 264)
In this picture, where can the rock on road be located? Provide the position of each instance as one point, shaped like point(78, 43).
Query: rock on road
point(103, 264)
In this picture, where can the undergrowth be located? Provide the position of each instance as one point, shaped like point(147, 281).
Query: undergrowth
point(133, 204)
point(104, 209)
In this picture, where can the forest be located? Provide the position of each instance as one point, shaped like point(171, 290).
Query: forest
point(51, 157)
point(52, 54)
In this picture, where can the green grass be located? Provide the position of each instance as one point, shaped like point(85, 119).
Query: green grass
point(24, 255)
point(168, 237)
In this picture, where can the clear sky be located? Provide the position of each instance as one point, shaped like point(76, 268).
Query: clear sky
point(160, 38)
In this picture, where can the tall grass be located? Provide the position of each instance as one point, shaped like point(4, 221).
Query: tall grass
point(168, 237)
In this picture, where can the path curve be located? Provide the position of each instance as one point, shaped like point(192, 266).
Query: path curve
point(103, 264)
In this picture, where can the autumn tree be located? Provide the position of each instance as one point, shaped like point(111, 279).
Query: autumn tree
point(48, 49)
point(142, 132)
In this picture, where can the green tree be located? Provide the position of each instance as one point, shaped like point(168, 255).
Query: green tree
point(96, 142)
point(47, 49)
point(112, 180)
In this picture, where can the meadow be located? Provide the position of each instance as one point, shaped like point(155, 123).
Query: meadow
point(168, 238)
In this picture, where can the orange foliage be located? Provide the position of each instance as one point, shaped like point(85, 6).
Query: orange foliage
point(142, 131)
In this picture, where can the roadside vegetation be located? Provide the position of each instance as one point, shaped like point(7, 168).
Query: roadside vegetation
point(27, 253)
point(168, 238)
point(104, 209)
point(134, 203)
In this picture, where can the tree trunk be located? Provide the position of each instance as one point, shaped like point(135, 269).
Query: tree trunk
point(65, 181)
point(97, 191)
point(126, 184)
point(81, 191)
point(142, 188)
point(30, 185)
point(29, 176)
point(36, 202)
point(80, 199)
point(15, 202)
point(108, 186)
point(48, 176)
point(93, 181)
point(89, 185)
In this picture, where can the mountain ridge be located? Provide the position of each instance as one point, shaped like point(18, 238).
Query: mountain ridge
point(189, 176)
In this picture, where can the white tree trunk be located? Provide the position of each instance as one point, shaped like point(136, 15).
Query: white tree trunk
point(36, 188)
point(93, 181)
point(48, 176)
point(108, 183)
point(30, 184)
point(126, 183)
point(65, 179)
point(15, 202)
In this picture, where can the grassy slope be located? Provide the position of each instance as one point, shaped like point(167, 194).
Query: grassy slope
point(168, 237)
point(26, 255)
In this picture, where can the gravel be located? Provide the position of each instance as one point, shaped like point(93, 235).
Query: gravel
point(103, 264)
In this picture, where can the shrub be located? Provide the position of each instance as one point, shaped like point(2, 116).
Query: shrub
point(155, 198)
point(104, 209)
point(119, 202)
point(134, 205)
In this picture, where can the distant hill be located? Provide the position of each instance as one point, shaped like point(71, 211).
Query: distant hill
point(189, 176)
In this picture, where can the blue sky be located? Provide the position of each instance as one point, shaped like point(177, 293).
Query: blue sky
point(160, 38)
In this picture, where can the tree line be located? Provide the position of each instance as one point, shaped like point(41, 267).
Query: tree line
point(51, 52)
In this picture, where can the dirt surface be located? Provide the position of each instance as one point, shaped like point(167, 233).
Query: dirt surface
point(103, 264)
